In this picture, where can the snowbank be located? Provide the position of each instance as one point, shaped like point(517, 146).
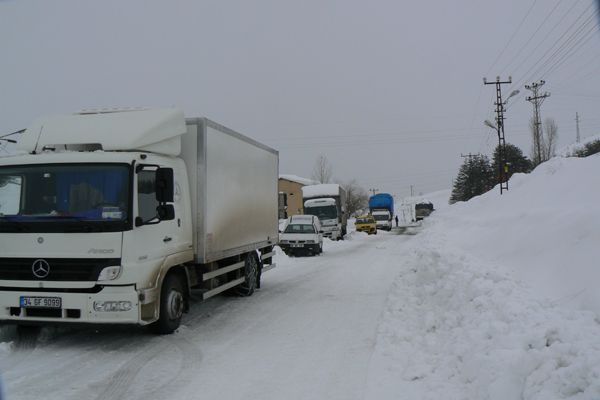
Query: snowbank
point(455, 328)
point(545, 229)
point(498, 298)
point(569, 150)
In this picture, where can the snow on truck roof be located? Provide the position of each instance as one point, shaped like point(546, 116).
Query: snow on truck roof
point(156, 130)
point(324, 201)
point(322, 190)
point(302, 219)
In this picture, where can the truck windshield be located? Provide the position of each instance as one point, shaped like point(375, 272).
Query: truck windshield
point(322, 212)
point(65, 192)
point(381, 217)
point(299, 228)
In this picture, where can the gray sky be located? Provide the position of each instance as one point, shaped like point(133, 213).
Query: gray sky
point(390, 91)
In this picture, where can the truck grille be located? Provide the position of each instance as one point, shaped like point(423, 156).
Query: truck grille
point(60, 269)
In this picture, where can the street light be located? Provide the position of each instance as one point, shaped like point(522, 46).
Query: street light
point(513, 94)
point(490, 124)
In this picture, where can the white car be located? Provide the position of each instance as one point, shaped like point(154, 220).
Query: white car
point(302, 234)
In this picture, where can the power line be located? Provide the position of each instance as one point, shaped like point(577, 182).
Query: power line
point(535, 33)
point(502, 176)
point(537, 100)
point(511, 38)
point(527, 76)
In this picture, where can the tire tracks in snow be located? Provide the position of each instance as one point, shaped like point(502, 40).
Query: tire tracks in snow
point(118, 384)
point(122, 380)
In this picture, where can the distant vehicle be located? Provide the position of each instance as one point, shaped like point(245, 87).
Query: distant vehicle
point(116, 216)
point(423, 209)
point(366, 223)
point(381, 207)
point(328, 203)
point(302, 234)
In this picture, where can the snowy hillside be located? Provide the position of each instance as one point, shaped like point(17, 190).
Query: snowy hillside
point(498, 296)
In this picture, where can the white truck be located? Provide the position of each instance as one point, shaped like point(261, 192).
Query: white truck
point(327, 202)
point(114, 217)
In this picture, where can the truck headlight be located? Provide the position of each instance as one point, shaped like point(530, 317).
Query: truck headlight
point(110, 273)
point(112, 306)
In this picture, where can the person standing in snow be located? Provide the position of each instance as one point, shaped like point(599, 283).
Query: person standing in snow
point(396, 221)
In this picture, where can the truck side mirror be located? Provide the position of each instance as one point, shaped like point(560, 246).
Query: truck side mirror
point(164, 185)
point(165, 212)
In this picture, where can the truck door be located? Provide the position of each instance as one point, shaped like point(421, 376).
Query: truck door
point(152, 239)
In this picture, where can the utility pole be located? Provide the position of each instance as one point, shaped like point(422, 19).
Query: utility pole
point(537, 99)
point(411, 190)
point(373, 191)
point(502, 165)
point(577, 138)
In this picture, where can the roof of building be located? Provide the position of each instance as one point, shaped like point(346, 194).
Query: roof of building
point(298, 179)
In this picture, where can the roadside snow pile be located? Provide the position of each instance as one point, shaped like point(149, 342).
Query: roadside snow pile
point(457, 329)
point(569, 150)
point(545, 229)
point(498, 298)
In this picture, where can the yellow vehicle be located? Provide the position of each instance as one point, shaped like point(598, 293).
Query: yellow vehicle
point(366, 223)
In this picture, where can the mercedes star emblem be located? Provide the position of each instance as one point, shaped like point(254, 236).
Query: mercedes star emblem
point(40, 268)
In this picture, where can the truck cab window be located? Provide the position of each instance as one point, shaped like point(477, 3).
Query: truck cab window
point(147, 202)
point(10, 194)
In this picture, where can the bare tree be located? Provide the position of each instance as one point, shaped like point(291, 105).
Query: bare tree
point(549, 139)
point(322, 170)
point(356, 196)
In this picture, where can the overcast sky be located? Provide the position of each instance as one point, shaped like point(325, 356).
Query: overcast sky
point(390, 91)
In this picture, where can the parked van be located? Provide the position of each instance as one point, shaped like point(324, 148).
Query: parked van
point(302, 234)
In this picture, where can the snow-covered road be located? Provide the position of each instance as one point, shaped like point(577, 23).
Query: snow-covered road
point(308, 333)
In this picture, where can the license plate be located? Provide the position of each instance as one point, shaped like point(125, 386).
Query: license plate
point(297, 245)
point(40, 302)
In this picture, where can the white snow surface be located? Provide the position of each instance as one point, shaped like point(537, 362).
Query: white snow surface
point(298, 179)
point(489, 299)
point(568, 151)
point(322, 190)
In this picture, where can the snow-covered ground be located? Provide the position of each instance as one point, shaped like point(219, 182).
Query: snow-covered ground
point(491, 299)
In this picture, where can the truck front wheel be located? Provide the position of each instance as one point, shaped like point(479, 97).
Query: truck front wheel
point(251, 276)
point(172, 304)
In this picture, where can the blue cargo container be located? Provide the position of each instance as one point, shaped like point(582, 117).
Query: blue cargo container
point(382, 201)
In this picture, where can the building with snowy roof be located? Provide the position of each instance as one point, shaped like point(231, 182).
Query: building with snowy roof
point(290, 194)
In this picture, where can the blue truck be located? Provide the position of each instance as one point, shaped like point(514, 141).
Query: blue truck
point(381, 206)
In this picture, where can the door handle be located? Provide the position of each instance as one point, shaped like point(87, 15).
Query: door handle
point(167, 239)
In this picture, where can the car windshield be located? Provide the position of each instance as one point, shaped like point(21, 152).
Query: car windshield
point(77, 192)
point(364, 221)
point(299, 228)
point(322, 212)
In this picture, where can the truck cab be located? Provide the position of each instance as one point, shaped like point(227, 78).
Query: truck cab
point(383, 219)
point(326, 211)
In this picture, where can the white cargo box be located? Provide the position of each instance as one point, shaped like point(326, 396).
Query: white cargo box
point(234, 194)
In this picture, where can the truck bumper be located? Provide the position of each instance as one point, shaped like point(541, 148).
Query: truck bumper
point(75, 307)
point(331, 233)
